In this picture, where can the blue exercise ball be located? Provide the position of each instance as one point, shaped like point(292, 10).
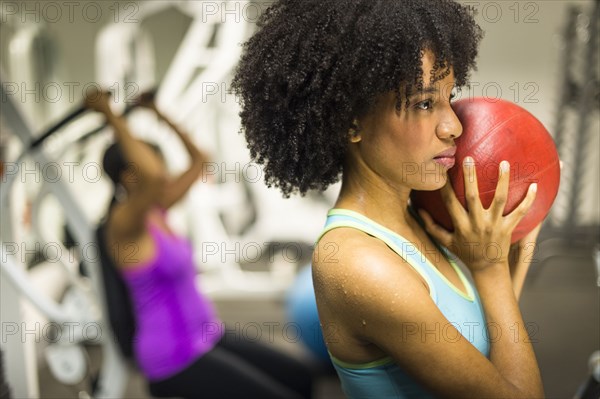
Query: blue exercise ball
point(301, 307)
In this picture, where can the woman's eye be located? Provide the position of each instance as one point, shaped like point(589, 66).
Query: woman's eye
point(425, 105)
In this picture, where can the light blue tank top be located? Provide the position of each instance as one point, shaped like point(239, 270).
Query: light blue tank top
point(383, 378)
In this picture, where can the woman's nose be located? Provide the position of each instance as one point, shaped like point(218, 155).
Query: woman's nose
point(449, 127)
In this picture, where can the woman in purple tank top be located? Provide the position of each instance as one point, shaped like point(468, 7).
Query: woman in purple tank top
point(178, 343)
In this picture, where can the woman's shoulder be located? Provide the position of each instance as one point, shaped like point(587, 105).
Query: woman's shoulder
point(120, 227)
point(360, 261)
point(359, 281)
point(344, 244)
point(127, 246)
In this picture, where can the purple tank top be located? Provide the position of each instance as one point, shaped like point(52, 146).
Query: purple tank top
point(175, 324)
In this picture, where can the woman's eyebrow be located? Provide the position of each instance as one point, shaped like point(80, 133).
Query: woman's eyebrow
point(430, 90)
point(425, 90)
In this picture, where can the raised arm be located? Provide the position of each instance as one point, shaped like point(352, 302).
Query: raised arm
point(520, 258)
point(178, 186)
point(144, 178)
point(511, 352)
point(382, 301)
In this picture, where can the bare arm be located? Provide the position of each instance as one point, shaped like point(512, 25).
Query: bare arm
point(380, 300)
point(476, 230)
point(144, 175)
point(520, 258)
point(178, 186)
point(146, 165)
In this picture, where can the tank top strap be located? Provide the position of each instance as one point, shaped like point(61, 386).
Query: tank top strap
point(337, 218)
point(155, 231)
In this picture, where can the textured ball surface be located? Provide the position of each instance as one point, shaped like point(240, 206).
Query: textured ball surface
point(493, 132)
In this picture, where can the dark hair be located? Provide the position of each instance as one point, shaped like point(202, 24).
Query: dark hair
point(114, 162)
point(315, 65)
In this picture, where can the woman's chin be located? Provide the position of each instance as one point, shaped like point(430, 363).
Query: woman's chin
point(434, 184)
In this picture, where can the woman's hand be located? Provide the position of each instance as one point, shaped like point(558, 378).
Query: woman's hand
point(481, 237)
point(98, 100)
point(147, 100)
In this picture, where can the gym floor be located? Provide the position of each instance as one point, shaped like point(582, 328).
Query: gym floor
point(560, 301)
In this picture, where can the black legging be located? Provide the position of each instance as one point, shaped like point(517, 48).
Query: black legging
point(238, 368)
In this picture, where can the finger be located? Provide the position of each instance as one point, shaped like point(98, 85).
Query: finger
point(520, 211)
point(471, 186)
point(442, 235)
point(458, 214)
point(501, 195)
point(454, 207)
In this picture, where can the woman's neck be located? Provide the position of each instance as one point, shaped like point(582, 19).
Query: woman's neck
point(377, 200)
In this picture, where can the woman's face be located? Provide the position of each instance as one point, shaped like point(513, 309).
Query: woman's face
point(403, 145)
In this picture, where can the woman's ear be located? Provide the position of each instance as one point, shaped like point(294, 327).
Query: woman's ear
point(354, 132)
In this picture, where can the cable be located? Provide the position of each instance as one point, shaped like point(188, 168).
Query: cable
point(66, 120)
point(144, 97)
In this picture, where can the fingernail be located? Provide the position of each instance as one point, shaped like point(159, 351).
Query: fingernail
point(533, 188)
point(504, 166)
point(469, 161)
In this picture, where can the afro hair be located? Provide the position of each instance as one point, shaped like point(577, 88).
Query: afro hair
point(313, 66)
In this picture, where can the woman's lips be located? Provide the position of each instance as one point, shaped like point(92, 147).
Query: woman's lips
point(446, 158)
point(448, 162)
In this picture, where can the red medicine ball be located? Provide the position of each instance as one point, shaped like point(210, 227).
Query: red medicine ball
point(494, 132)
